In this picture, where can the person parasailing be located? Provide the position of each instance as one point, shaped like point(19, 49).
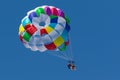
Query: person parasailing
point(71, 65)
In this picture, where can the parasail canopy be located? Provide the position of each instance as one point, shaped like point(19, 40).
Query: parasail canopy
point(45, 28)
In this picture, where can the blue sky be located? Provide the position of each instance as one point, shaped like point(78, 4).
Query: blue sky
point(95, 31)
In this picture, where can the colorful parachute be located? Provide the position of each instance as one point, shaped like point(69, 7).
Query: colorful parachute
point(45, 28)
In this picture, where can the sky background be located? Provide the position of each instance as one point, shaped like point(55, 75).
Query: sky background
point(95, 31)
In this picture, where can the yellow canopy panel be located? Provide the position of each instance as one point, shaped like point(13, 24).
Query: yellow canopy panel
point(21, 29)
point(48, 29)
point(59, 41)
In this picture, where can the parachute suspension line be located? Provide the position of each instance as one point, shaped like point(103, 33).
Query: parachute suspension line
point(57, 55)
point(67, 54)
point(64, 54)
point(70, 48)
point(60, 56)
